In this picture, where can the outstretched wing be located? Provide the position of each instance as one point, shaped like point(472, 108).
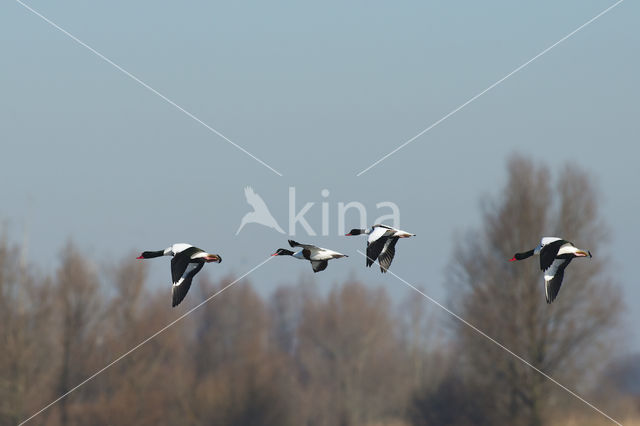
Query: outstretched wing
point(374, 249)
point(180, 261)
point(553, 278)
point(549, 252)
point(304, 246)
point(386, 256)
point(181, 287)
point(379, 225)
point(319, 265)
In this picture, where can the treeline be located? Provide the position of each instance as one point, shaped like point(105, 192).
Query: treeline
point(351, 356)
point(296, 358)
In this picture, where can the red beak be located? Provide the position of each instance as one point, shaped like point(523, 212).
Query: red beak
point(347, 235)
point(139, 257)
point(512, 259)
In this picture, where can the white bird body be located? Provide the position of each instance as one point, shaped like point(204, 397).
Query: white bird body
point(570, 249)
point(318, 256)
point(318, 253)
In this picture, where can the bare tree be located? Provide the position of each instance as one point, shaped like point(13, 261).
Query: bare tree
point(238, 373)
point(25, 373)
point(348, 357)
point(141, 388)
point(286, 308)
point(77, 304)
point(564, 339)
point(128, 279)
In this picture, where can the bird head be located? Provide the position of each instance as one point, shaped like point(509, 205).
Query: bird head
point(282, 252)
point(149, 254)
point(518, 256)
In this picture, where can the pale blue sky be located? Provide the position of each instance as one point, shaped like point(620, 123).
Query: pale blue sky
point(319, 92)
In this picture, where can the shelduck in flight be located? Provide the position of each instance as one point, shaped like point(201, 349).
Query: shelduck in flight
point(381, 244)
point(555, 254)
point(186, 263)
point(318, 256)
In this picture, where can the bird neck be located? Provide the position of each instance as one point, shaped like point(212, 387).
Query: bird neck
point(152, 254)
point(525, 254)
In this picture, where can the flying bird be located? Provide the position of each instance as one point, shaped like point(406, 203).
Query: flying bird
point(381, 244)
point(260, 213)
point(555, 254)
point(186, 263)
point(318, 256)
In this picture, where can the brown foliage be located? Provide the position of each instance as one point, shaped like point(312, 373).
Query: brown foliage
point(349, 362)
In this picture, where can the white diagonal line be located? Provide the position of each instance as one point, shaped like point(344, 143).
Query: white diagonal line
point(491, 87)
point(145, 85)
point(500, 345)
point(163, 329)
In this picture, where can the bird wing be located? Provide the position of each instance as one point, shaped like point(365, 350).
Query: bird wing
point(386, 256)
point(553, 278)
point(377, 233)
point(319, 265)
point(374, 249)
point(310, 247)
point(180, 261)
point(549, 252)
point(181, 287)
point(379, 225)
point(391, 231)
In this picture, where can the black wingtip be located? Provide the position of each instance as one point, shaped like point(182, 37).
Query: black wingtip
point(293, 243)
point(590, 256)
